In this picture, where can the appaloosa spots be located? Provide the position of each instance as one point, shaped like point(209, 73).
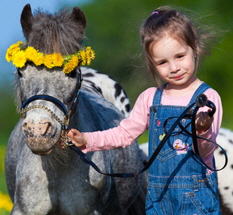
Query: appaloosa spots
point(225, 176)
point(103, 85)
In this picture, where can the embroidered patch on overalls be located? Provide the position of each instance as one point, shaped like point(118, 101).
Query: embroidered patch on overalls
point(158, 122)
point(180, 147)
point(161, 136)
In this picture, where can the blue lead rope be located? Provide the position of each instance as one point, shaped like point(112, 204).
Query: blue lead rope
point(201, 101)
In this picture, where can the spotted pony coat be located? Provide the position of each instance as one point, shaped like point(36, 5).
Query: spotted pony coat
point(225, 176)
point(106, 87)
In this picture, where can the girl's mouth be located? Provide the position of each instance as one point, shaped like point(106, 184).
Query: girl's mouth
point(178, 77)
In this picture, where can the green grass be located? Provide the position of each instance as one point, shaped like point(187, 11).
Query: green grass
point(4, 212)
point(2, 172)
point(5, 202)
point(143, 138)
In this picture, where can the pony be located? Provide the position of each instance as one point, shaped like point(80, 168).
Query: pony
point(42, 177)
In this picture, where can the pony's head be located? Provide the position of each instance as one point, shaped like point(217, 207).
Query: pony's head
point(47, 34)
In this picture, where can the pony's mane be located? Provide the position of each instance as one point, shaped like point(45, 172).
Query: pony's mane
point(58, 32)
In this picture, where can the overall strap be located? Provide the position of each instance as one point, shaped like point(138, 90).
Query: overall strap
point(200, 90)
point(158, 95)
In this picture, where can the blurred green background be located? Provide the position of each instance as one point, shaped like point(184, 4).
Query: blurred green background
point(113, 32)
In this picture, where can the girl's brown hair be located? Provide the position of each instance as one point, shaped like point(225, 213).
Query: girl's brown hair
point(165, 20)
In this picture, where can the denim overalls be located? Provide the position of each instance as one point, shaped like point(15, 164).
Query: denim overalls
point(178, 183)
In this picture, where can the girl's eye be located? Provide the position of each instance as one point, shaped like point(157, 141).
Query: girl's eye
point(161, 63)
point(180, 56)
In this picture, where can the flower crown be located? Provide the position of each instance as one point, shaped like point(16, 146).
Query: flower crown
point(19, 54)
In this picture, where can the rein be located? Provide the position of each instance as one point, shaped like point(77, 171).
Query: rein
point(201, 101)
point(55, 101)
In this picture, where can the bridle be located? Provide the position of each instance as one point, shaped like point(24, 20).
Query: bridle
point(67, 113)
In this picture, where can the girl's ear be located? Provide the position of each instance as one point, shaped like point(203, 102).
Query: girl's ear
point(197, 49)
point(197, 57)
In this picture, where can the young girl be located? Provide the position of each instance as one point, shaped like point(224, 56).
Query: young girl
point(178, 183)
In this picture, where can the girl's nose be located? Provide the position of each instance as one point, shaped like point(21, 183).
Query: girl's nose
point(174, 66)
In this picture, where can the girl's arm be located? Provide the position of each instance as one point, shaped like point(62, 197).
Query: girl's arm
point(208, 127)
point(122, 135)
point(78, 138)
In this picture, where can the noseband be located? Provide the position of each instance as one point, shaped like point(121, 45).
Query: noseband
point(65, 122)
point(55, 101)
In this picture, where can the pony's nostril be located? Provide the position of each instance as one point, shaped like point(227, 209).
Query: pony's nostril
point(45, 128)
point(24, 125)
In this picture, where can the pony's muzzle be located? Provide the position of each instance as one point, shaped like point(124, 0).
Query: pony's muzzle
point(40, 135)
point(41, 128)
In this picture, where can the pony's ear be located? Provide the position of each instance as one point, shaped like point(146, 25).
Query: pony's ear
point(26, 20)
point(79, 16)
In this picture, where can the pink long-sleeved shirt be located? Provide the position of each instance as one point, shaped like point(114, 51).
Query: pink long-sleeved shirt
point(138, 122)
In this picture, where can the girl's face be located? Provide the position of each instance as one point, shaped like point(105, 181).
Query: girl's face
point(174, 62)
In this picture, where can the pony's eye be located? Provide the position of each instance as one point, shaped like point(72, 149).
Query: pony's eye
point(19, 73)
point(72, 74)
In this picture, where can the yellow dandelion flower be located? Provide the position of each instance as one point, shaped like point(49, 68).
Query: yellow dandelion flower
point(57, 59)
point(13, 49)
point(74, 61)
point(48, 61)
point(38, 59)
point(8, 56)
point(31, 53)
point(19, 55)
point(5, 202)
point(71, 65)
point(90, 55)
point(67, 69)
point(83, 57)
point(19, 59)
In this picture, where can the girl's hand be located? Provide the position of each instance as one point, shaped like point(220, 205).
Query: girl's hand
point(77, 137)
point(203, 122)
